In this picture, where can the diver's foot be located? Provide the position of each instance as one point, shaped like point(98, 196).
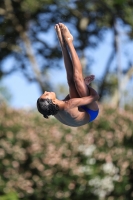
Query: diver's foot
point(66, 33)
point(89, 79)
point(59, 35)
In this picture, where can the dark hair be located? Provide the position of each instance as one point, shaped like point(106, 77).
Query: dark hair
point(46, 107)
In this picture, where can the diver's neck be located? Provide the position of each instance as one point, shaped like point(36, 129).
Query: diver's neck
point(60, 103)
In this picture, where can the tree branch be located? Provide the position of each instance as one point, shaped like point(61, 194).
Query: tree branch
point(108, 64)
point(28, 47)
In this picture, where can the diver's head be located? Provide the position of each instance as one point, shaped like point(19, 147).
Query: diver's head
point(46, 104)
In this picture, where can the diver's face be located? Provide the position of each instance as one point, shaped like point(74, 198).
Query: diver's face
point(48, 95)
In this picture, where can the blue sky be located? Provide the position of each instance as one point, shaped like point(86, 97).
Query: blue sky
point(24, 94)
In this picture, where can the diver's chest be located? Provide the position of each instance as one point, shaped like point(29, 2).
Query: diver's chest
point(72, 115)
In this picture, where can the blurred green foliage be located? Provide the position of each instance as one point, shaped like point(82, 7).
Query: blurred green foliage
point(46, 160)
point(9, 196)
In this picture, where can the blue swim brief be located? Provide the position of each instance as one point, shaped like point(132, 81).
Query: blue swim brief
point(93, 113)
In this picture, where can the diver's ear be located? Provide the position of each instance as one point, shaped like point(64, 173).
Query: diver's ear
point(54, 101)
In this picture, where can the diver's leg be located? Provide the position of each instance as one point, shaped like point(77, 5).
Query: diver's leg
point(68, 64)
point(81, 87)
